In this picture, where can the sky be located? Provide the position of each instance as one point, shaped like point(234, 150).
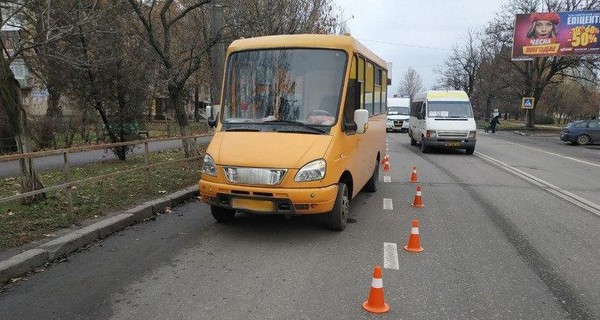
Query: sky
point(415, 33)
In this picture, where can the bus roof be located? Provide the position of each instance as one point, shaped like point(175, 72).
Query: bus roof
point(344, 42)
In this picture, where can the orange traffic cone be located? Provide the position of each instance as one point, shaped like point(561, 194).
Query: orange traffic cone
point(413, 176)
point(386, 164)
point(414, 242)
point(376, 302)
point(418, 201)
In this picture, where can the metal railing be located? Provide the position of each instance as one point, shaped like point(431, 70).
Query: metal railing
point(68, 185)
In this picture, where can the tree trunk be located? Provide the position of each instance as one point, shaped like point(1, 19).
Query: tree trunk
point(54, 109)
point(11, 102)
point(176, 99)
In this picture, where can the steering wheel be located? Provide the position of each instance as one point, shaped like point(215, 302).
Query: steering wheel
point(320, 117)
point(320, 113)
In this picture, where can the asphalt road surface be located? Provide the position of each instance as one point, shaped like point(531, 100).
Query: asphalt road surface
point(510, 232)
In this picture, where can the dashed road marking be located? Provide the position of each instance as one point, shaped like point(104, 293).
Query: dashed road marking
point(390, 256)
point(387, 179)
point(387, 204)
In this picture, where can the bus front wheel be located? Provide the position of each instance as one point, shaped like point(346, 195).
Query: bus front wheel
point(222, 214)
point(338, 217)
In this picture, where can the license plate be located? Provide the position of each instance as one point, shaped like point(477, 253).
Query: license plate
point(452, 144)
point(253, 205)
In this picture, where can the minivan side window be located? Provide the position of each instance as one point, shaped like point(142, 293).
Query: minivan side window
point(417, 109)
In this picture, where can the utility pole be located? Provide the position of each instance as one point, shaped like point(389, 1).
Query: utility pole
point(217, 52)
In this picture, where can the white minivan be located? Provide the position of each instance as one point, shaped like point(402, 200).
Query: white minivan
point(398, 112)
point(442, 119)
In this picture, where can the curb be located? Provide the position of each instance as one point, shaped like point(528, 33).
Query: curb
point(54, 249)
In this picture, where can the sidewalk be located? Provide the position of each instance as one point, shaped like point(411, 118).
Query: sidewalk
point(54, 249)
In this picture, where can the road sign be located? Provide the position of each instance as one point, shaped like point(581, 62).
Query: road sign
point(527, 103)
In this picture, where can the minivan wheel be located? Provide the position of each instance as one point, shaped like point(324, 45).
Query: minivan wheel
point(338, 217)
point(424, 148)
point(222, 214)
point(413, 142)
point(371, 185)
point(583, 139)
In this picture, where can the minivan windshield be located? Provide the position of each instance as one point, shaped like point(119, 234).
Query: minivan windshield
point(392, 111)
point(449, 109)
point(284, 87)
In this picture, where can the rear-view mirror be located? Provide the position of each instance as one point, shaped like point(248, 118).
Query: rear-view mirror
point(361, 117)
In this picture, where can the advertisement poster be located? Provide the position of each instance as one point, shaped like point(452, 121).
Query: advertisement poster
point(548, 34)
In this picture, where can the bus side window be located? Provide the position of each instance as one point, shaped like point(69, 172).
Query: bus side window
point(351, 104)
point(422, 113)
point(353, 92)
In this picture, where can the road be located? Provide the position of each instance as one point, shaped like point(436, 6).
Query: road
point(511, 232)
point(11, 168)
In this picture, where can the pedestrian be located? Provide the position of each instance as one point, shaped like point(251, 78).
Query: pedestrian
point(493, 123)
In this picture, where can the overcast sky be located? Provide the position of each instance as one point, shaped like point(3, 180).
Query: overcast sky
point(415, 33)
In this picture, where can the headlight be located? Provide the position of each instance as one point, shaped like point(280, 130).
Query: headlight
point(314, 170)
point(209, 166)
point(472, 134)
point(431, 134)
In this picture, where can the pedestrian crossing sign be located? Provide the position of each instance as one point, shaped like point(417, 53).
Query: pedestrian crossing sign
point(527, 103)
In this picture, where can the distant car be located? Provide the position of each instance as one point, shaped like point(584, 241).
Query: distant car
point(582, 132)
point(398, 114)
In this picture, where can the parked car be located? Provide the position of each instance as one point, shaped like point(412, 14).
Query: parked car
point(582, 132)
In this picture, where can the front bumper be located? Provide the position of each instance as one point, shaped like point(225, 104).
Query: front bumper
point(567, 137)
point(397, 125)
point(295, 201)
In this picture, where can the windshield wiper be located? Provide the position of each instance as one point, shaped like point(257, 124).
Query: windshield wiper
point(302, 124)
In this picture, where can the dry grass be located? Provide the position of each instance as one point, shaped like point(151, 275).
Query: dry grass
point(22, 224)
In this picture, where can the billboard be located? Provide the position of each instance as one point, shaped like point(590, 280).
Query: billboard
point(548, 34)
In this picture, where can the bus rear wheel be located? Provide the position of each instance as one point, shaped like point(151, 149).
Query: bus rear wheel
point(338, 217)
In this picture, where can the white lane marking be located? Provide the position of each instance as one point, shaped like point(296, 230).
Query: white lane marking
point(387, 179)
point(390, 256)
point(387, 204)
point(557, 155)
point(564, 194)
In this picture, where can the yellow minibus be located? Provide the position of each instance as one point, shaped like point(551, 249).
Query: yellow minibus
point(300, 129)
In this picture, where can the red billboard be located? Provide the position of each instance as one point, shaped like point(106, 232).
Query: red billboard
point(548, 34)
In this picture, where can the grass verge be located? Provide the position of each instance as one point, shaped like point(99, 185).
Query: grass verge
point(22, 224)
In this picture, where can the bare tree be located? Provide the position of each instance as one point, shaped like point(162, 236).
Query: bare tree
point(460, 69)
point(180, 46)
point(411, 84)
point(109, 70)
point(253, 18)
point(15, 46)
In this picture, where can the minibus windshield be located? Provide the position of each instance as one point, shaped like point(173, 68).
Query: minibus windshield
point(284, 86)
point(449, 109)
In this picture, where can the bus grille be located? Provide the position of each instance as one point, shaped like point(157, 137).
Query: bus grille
point(256, 176)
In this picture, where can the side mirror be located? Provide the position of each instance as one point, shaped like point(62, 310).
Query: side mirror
point(212, 113)
point(361, 117)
